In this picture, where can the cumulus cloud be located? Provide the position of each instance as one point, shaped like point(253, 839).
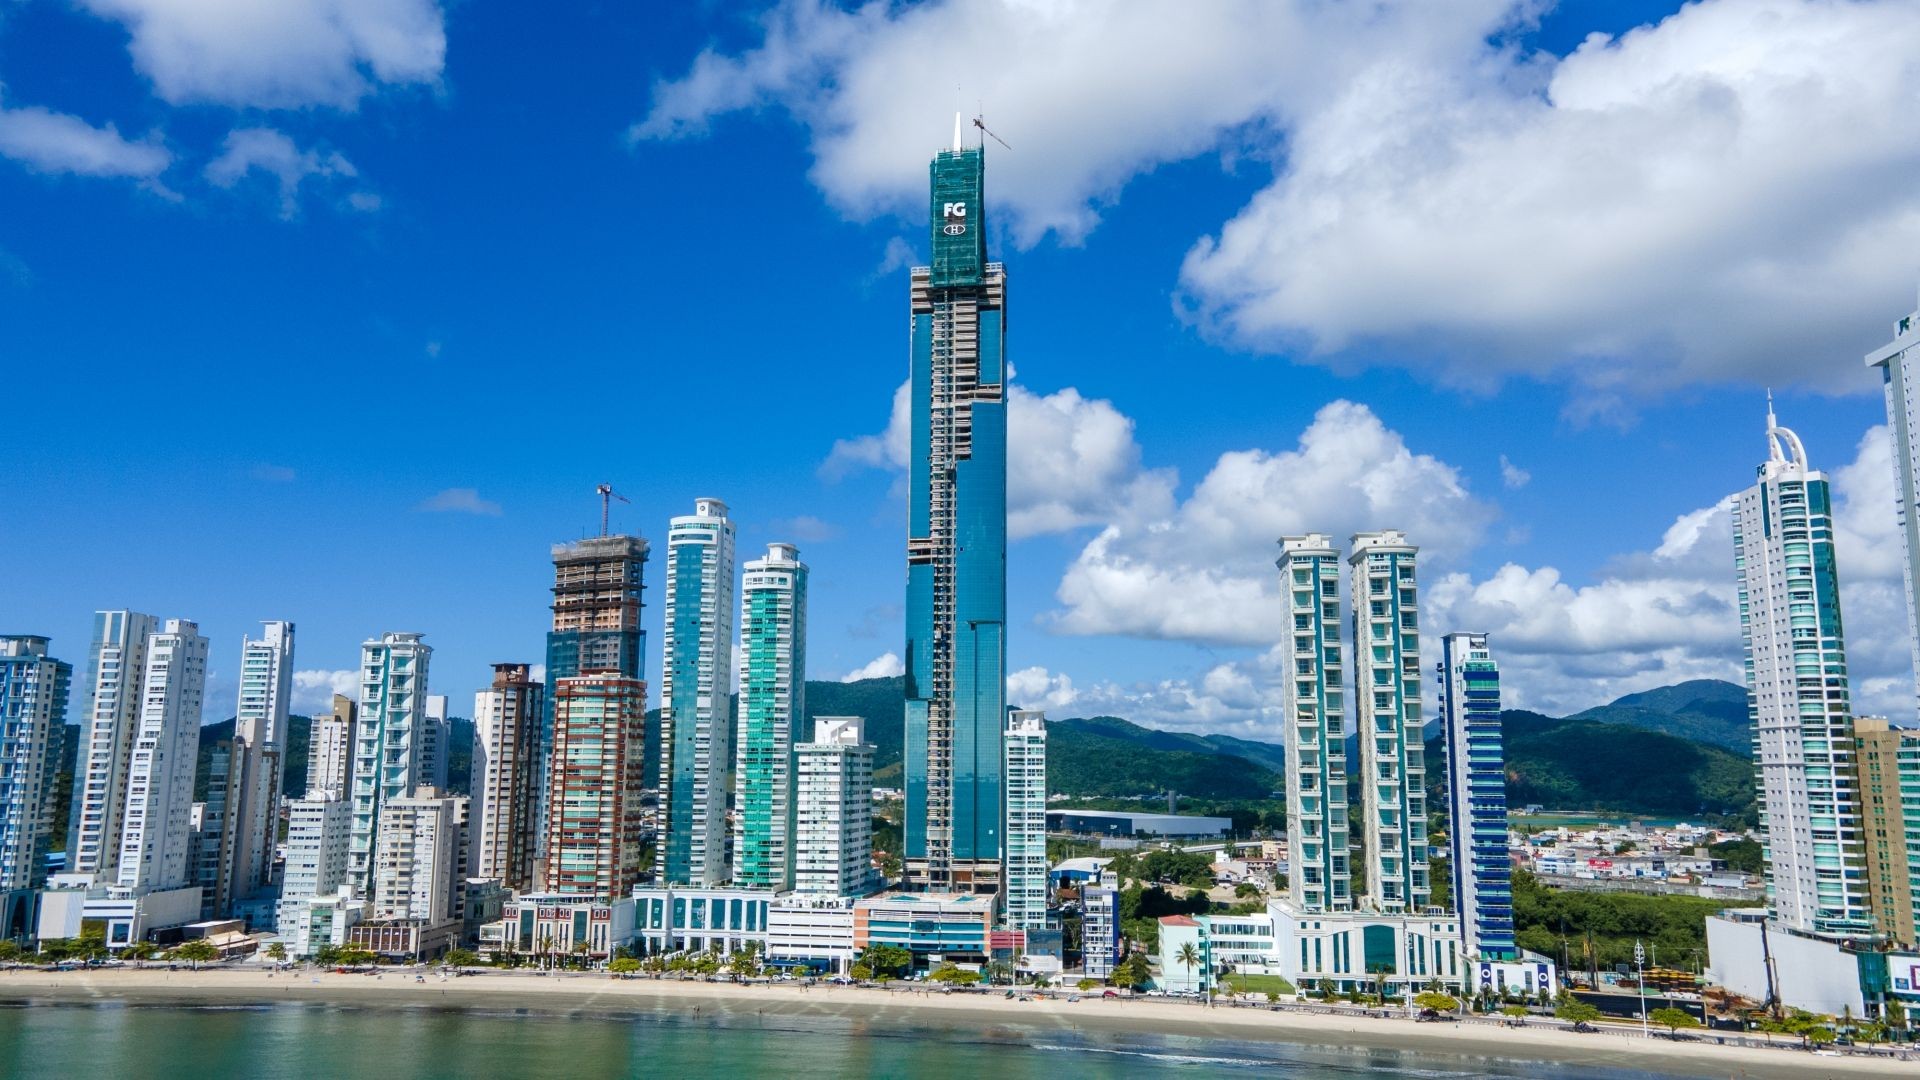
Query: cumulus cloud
point(1669, 206)
point(55, 142)
point(1204, 572)
point(885, 666)
point(1072, 461)
point(1669, 613)
point(460, 501)
point(313, 689)
point(275, 154)
point(1513, 475)
point(1240, 697)
point(281, 55)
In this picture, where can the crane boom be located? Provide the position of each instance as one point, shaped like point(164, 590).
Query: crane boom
point(607, 495)
point(977, 122)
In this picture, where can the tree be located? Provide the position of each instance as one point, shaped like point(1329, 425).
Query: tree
point(276, 951)
point(861, 972)
point(743, 964)
point(10, 952)
point(887, 960)
point(623, 967)
point(1673, 1020)
point(953, 974)
point(196, 952)
point(1246, 890)
point(1514, 1012)
point(1000, 971)
point(328, 954)
point(1133, 972)
point(354, 956)
point(460, 958)
point(1439, 1002)
point(1188, 956)
point(1087, 984)
point(1273, 997)
point(1579, 1012)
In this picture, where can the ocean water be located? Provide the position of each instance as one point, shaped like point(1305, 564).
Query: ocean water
point(114, 1040)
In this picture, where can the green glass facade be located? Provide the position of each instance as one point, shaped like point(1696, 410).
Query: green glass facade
point(773, 634)
point(957, 544)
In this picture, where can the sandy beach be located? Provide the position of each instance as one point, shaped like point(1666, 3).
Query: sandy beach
point(601, 994)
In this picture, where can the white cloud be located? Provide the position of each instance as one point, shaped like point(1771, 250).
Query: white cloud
point(1238, 698)
point(1675, 205)
point(1513, 475)
point(885, 666)
point(802, 529)
point(313, 689)
point(1071, 461)
point(1205, 572)
point(280, 55)
point(272, 152)
point(1658, 617)
point(460, 501)
point(53, 142)
point(273, 474)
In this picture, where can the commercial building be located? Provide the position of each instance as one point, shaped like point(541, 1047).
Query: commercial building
point(934, 927)
point(1026, 834)
point(506, 740)
point(388, 760)
point(597, 609)
point(1897, 378)
point(157, 823)
point(33, 716)
point(833, 812)
point(1480, 863)
point(1889, 762)
point(1129, 823)
point(594, 823)
point(811, 931)
point(699, 919)
point(116, 662)
point(1797, 694)
point(1313, 706)
point(72, 902)
point(956, 544)
point(1186, 956)
point(1349, 950)
point(773, 689)
point(1763, 960)
point(553, 925)
point(1386, 672)
point(251, 818)
point(330, 749)
point(696, 702)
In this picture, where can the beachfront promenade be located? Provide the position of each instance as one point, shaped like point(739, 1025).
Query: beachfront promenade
point(852, 1008)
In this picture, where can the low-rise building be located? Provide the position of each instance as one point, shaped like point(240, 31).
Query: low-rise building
point(1352, 950)
point(1186, 956)
point(679, 920)
point(934, 927)
point(127, 915)
point(557, 924)
point(815, 932)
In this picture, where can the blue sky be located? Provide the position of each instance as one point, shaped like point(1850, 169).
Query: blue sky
point(275, 287)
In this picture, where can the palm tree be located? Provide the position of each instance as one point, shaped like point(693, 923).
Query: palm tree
point(1188, 956)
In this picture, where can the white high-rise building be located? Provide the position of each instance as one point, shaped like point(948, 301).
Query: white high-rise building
point(506, 741)
point(388, 759)
point(773, 695)
point(1026, 861)
point(319, 830)
point(157, 827)
point(418, 858)
point(436, 743)
point(116, 663)
point(259, 739)
point(1314, 711)
point(1898, 378)
point(696, 705)
point(1797, 694)
point(330, 749)
point(1386, 674)
point(33, 715)
point(833, 811)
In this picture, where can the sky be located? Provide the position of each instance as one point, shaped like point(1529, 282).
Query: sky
point(337, 312)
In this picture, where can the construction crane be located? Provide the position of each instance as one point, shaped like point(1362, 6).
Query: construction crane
point(607, 495)
point(977, 122)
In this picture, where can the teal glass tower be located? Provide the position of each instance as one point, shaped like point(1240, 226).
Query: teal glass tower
point(957, 545)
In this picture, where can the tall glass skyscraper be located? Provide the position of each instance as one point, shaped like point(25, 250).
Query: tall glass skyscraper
point(33, 716)
point(1797, 694)
point(957, 544)
point(773, 701)
point(1897, 361)
point(1481, 866)
point(1316, 736)
point(1386, 675)
point(696, 695)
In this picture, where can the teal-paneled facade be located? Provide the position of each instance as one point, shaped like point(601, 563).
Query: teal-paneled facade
point(957, 541)
point(773, 689)
point(696, 706)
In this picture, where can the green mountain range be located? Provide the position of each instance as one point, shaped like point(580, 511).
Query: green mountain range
point(1703, 710)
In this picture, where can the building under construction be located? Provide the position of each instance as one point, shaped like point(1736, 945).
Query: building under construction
point(957, 545)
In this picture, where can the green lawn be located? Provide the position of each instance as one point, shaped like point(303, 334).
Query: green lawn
point(1255, 984)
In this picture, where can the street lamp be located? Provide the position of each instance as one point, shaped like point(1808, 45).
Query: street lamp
point(1639, 964)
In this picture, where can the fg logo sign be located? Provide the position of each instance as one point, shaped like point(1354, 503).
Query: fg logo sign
point(955, 214)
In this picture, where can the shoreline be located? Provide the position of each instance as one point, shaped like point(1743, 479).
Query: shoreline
point(600, 995)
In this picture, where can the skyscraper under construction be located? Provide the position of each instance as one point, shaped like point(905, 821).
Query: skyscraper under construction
point(957, 544)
